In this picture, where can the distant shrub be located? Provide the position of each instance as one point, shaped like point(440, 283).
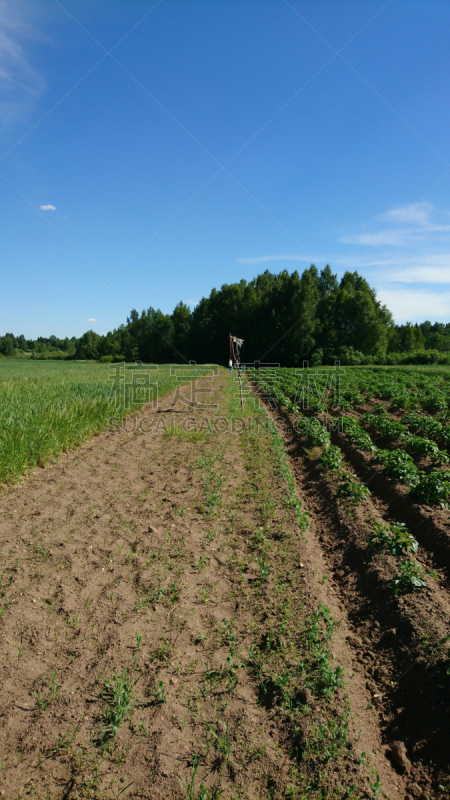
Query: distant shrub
point(420, 357)
point(316, 358)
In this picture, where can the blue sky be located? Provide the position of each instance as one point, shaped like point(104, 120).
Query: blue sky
point(153, 150)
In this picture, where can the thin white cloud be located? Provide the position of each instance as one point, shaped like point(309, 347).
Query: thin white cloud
point(278, 257)
point(422, 274)
point(21, 84)
point(413, 305)
point(91, 319)
point(414, 226)
point(398, 237)
point(418, 214)
point(48, 207)
point(393, 267)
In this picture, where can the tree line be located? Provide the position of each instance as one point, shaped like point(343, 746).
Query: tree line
point(285, 317)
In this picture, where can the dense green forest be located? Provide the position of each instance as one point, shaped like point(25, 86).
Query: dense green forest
point(286, 318)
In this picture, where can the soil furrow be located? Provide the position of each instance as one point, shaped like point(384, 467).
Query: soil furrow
point(430, 524)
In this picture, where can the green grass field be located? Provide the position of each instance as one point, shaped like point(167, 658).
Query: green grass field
point(50, 407)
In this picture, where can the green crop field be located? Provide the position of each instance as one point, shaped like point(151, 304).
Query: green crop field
point(407, 409)
point(50, 407)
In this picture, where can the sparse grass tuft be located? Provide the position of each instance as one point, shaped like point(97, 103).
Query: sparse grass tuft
point(117, 695)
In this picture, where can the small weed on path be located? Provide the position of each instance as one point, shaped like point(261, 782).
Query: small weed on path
point(117, 695)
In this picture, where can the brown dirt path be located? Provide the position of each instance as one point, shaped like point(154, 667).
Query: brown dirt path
point(176, 560)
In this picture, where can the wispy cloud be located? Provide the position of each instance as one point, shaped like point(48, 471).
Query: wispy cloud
point(278, 257)
point(423, 273)
point(411, 305)
point(403, 237)
point(48, 207)
point(21, 84)
point(416, 214)
point(404, 226)
point(395, 268)
point(91, 319)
